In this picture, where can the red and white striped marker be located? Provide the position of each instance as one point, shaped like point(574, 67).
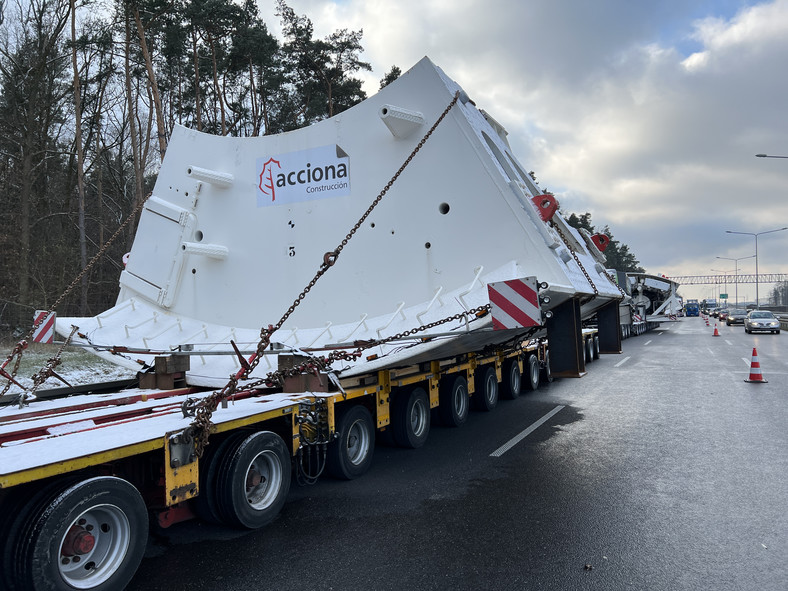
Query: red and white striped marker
point(45, 333)
point(755, 370)
point(514, 303)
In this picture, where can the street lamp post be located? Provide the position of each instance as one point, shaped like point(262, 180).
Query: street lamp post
point(736, 276)
point(756, 234)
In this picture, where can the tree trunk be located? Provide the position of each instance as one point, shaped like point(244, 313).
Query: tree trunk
point(154, 86)
point(83, 252)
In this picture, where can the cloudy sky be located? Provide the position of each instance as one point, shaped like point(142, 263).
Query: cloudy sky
point(645, 113)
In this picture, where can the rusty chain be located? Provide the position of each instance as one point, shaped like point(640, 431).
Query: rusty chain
point(201, 426)
point(23, 344)
point(582, 268)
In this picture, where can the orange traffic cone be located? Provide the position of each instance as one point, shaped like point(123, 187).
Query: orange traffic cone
point(716, 333)
point(755, 369)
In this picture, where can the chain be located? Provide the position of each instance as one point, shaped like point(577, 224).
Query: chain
point(22, 344)
point(577, 259)
point(201, 426)
point(47, 371)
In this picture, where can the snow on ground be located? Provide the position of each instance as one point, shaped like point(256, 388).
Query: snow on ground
point(78, 367)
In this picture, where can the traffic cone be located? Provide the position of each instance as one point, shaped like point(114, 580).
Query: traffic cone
point(716, 333)
point(755, 369)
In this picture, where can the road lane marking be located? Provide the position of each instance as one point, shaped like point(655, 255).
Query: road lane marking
point(710, 351)
point(622, 362)
point(646, 343)
point(518, 438)
point(727, 341)
point(747, 361)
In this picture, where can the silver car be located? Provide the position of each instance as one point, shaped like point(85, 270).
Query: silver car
point(761, 320)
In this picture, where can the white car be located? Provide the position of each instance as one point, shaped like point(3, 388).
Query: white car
point(761, 320)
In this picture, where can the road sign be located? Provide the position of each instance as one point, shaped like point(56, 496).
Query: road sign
point(723, 296)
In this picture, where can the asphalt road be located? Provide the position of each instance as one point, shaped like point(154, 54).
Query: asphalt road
point(661, 469)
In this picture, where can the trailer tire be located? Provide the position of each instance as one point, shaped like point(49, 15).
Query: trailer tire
point(511, 381)
point(206, 504)
point(411, 420)
point(454, 402)
point(486, 385)
point(547, 371)
point(92, 535)
point(253, 481)
point(533, 372)
point(596, 346)
point(589, 350)
point(350, 454)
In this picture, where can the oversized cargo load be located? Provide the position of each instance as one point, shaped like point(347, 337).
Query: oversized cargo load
point(236, 228)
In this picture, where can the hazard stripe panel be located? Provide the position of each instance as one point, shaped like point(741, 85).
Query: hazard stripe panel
point(514, 303)
point(45, 333)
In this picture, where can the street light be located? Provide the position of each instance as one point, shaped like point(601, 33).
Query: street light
point(768, 156)
point(756, 234)
point(736, 277)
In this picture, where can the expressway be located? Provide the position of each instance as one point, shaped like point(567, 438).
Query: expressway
point(660, 469)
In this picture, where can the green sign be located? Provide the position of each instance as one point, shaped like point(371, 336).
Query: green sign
point(723, 296)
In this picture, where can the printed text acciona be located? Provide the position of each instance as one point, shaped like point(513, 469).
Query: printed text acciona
point(310, 175)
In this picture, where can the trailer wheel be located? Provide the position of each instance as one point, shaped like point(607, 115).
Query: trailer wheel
point(589, 346)
point(547, 372)
point(533, 372)
point(596, 346)
point(206, 504)
point(512, 380)
point(411, 420)
point(90, 536)
point(350, 455)
point(253, 481)
point(454, 402)
point(486, 383)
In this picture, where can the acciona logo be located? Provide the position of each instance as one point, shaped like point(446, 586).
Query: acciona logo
point(306, 175)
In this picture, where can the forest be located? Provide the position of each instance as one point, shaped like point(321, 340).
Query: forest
point(89, 93)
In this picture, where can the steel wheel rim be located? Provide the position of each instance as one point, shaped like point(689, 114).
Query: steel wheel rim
point(358, 443)
point(109, 527)
point(460, 400)
point(514, 378)
point(418, 418)
point(263, 480)
point(490, 388)
point(534, 372)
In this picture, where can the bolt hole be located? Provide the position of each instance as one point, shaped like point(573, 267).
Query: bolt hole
point(372, 225)
point(444, 208)
point(194, 271)
point(198, 236)
point(427, 245)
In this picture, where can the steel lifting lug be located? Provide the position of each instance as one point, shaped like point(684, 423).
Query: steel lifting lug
point(601, 240)
point(546, 205)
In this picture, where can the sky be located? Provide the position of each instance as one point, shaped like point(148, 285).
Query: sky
point(645, 113)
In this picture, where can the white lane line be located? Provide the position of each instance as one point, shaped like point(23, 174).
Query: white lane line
point(518, 438)
point(622, 362)
point(727, 341)
point(646, 343)
point(747, 361)
point(710, 351)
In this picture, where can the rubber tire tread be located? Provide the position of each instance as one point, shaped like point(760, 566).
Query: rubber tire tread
point(45, 531)
point(448, 413)
point(338, 464)
point(206, 504)
point(507, 390)
point(533, 372)
point(481, 380)
point(401, 428)
point(233, 505)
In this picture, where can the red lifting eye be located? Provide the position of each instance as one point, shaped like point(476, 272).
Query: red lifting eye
point(546, 205)
point(601, 241)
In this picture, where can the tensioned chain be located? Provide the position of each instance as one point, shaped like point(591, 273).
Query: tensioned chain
point(582, 268)
point(577, 259)
point(200, 427)
point(22, 344)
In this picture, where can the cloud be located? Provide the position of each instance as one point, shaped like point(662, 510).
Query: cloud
point(646, 114)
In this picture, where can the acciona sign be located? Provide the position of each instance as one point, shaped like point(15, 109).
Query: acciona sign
point(317, 173)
